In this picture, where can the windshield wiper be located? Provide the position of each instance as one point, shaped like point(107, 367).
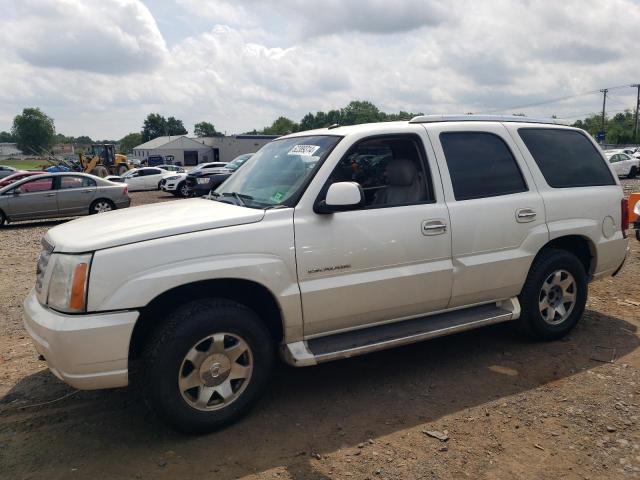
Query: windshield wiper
point(239, 197)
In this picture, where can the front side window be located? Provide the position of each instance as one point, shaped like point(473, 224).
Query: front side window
point(277, 173)
point(389, 170)
point(36, 185)
point(480, 165)
point(566, 158)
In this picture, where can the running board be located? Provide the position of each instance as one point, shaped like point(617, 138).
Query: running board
point(380, 337)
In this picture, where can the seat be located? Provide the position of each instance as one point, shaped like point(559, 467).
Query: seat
point(405, 184)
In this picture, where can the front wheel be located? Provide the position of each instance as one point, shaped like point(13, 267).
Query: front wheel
point(101, 206)
point(207, 365)
point(633, 172)
point(183, 190)
point(554, 295)
point(3, 219)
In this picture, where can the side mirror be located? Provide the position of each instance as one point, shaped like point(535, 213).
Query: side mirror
point(341, 196)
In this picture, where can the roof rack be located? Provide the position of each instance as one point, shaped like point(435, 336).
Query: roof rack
point(479, 118)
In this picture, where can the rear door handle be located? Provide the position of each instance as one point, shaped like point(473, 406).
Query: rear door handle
point(433, 227)
point(50, 195)
point(524, 215)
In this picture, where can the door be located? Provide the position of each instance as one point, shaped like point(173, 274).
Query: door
point(33, 199)
point(191, 157)
point(75, 194)
point(135, 180)
point(497, 215)
point(617, 165)
point(386, 261)
point(152, 177)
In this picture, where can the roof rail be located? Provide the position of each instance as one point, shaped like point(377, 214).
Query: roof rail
point(479, 118)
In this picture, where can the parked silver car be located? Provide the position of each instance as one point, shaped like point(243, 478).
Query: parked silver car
point(60, 195)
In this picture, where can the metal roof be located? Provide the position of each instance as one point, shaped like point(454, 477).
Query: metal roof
point(480, 118)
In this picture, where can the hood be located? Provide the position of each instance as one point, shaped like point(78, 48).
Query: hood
point(147, 222)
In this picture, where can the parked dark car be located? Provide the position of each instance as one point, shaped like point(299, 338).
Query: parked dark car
point(5, 171)
point(201, 182)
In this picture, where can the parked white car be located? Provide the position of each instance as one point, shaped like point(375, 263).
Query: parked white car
point(176, 184)
point(320, 250)
point(146, 178)
point(624, 165)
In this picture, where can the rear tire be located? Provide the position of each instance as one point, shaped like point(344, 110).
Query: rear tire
point(554, 295)
point(3, 219)
point(189, 362)
point(633, 172)
point(100, 171)
point(101, 205)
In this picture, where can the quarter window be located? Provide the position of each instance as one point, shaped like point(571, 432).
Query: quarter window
point(389, 170)
point(566, 158)
point(480, 165)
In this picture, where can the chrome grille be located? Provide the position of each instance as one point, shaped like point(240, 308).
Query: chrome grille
point(43, 261)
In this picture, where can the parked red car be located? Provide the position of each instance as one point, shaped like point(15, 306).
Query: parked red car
point(17, 176)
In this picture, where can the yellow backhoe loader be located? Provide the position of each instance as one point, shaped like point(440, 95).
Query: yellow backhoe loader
point(103, 160)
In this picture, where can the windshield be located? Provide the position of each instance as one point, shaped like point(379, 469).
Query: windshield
point(238, 161)
point(277, 171)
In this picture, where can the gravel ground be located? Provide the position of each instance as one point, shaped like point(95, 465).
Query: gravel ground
point(502, 407)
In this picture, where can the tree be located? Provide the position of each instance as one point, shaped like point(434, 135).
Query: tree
point(618, 129)
point(205, 129)
point(361, 112)
point(34, 131)
point(6, 137)
point(126, 143)
point(154, 126)
point(281, 126)
point(83, 140)
point(175, 127)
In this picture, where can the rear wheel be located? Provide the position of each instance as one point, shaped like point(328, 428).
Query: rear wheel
point(633, 172)
point(100, 171)
point(3, 218)
point(100, 206)
point(554, 295)
point(207, 365)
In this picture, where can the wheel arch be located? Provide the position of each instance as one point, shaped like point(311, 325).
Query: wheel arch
point(580, 246)
point(100, 199)
point(247, 292)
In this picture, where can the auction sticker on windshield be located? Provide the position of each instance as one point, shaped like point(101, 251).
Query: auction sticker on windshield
point(304, 150)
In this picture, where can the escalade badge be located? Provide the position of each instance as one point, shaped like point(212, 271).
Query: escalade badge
point(329, 269)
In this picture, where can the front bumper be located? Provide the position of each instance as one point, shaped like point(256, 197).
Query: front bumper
point(86, 351)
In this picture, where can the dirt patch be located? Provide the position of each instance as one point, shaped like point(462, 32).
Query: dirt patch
point(502, 407)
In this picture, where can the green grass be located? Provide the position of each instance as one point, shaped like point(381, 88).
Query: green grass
point(25, 164)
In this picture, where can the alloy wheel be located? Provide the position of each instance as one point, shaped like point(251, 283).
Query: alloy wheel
point(215, 371)
point(557, 297)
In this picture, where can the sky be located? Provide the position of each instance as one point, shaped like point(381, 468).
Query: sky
point(98, 67)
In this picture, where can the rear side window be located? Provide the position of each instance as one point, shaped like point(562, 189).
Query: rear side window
point(566, 158)
point(480, 165)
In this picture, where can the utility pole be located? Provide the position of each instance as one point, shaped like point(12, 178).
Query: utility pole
point(604, 104)
point(635, 123)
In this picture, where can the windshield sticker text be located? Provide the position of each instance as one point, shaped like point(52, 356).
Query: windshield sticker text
point(304, 150)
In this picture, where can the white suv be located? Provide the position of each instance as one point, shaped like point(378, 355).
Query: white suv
point(328, 244)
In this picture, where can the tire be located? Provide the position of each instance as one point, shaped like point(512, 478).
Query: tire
point(3, 219)
point(100, 171)
point(122, 169)
point(101, 205)
point(176, 387)
point(159, 187)
point(554, 278)
point(183, 190)
point(633, 172)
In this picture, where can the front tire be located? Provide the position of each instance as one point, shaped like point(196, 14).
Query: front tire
point(100, 171)
point(633, 172)
point(3, 219)
point(183, 189)
point(207, 365)
point(554, 295)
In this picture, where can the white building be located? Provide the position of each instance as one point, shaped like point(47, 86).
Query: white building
point(8, 149)
point(184, 150)
point(191, 151)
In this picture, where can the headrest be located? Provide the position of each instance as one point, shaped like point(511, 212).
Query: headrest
point(401, 172)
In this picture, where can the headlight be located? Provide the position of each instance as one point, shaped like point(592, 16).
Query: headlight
point(175, 177)
point(68, 283)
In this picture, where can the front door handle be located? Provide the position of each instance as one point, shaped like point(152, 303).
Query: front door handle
point(433, 227)
point(524, 215)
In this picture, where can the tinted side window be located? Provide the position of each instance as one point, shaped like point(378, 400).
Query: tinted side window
point(566, 158)
point(76, 182)
point(480, 165)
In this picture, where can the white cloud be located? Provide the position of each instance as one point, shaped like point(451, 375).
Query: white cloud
point(243, 64)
